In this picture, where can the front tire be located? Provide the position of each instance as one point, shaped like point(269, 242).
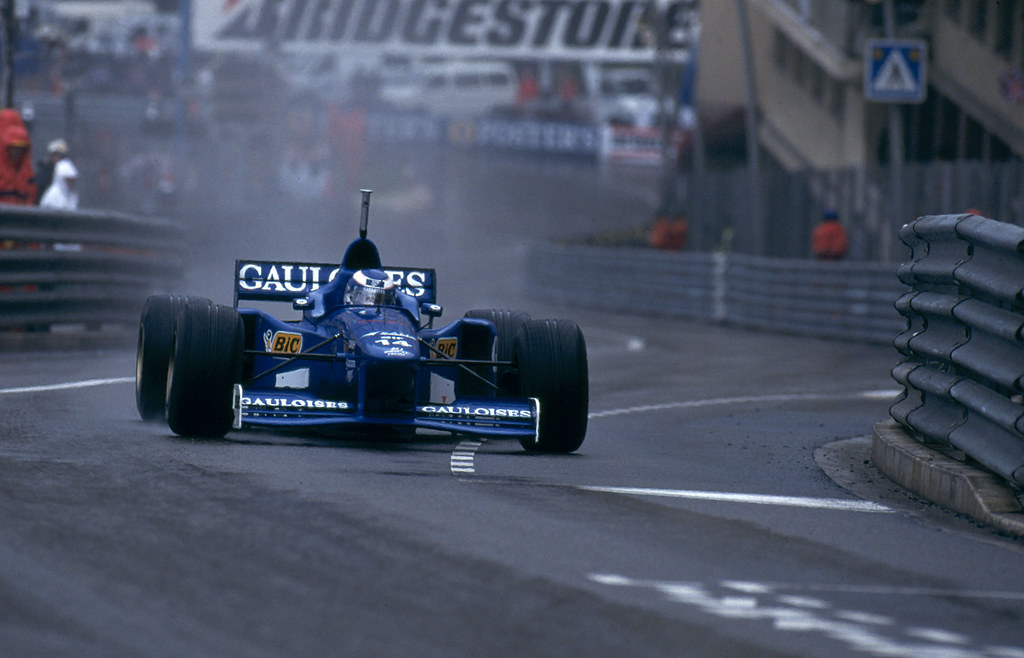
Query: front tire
point(156, 340)
point(552, 360)
point(205, 364)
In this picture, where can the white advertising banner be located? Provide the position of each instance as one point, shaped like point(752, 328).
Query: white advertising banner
point(581, 30)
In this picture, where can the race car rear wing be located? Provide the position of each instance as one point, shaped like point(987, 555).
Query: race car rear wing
point(285, 281)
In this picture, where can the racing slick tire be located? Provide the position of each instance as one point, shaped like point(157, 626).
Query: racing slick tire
point(552, 360)
point(156, 340)
point(205, 364)
point(506, 326)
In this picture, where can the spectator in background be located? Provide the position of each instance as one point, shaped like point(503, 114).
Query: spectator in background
point(829, 240)
point(62, 193)
point(56, 151)
point(528, 91)
point(568, 92)
point(668, 232)
point(17, 176)
point(10, 117)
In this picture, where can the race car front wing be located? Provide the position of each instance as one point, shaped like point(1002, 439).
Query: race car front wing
point(510, 417)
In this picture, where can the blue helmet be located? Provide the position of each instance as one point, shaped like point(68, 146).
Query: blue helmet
point(370, 288)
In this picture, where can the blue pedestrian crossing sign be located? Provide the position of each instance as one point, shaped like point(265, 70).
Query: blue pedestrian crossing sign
point(894, 70)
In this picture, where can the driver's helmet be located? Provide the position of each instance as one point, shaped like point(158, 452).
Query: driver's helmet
point(370, 288)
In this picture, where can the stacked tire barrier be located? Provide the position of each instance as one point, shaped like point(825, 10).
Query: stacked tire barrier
point(80, 272)
point(847, 300)
point(963, 349)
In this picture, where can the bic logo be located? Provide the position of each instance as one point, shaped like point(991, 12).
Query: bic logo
point(447, 346)
point(282, 342)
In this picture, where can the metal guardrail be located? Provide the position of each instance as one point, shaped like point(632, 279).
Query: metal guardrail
point(621, 278)
point(963, 349)
point(848, 300)
point(852, 300)
point(79, 271)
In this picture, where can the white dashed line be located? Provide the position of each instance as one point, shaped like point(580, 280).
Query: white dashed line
point(862, 632)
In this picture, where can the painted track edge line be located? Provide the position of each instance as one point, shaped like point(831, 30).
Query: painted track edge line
point(745, 399)
point(750, 499)
point(66, 386)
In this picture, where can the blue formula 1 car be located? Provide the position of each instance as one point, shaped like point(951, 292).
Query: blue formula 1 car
point(364, 356)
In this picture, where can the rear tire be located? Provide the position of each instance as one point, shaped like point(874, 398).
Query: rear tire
point(552, 360)
point(205, 364)
point(506, 327)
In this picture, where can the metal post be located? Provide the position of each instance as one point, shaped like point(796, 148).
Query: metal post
point(184, 66)
point(364, 218)
point(7, 12)
point(753, 160)
point(895, 154)
point(662, 74)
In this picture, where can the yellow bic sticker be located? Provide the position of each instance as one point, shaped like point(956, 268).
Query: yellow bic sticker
point(447, 346)
point(282, 342)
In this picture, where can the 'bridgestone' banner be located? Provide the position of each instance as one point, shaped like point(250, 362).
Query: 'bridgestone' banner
point(617, 30)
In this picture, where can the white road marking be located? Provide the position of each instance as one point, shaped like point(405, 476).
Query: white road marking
point(66, 386)
point(750, 499)
point(749, 399)
point(862, 632)
point(880, 590)
point(804, 602)
point(938, 635)
point(865, 618)
point(462, 459)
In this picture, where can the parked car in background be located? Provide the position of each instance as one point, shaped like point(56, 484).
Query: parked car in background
point(626, 96)
point(455, 88)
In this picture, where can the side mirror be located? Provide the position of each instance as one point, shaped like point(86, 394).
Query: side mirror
point(302, 303)
point(431, 311)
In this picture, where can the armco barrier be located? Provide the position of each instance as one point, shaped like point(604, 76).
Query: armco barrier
point(849, 300)
point(963, 349)
point(80, 271)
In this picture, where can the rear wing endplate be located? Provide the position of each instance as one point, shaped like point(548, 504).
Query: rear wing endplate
point(274, 281)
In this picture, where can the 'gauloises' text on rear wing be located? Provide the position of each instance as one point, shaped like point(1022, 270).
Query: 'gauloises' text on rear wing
point(284, 282)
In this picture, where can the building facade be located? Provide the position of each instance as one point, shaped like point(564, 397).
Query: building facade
point(824, 145)
point(808, 63)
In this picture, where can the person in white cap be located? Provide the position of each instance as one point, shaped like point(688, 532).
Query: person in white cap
point(56, 151)
point(62, 195)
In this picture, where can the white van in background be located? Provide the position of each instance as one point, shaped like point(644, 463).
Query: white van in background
point(627, 96)
point(456, 88)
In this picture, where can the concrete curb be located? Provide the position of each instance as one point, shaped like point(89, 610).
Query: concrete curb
point(969, 490)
